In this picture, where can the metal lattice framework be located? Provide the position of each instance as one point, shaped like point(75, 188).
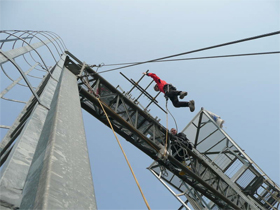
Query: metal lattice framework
point(138, 127)
point(226, 167)
point(35, 151)
point(221, 151)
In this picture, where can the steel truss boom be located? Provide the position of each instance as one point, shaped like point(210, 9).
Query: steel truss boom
point(139, 128)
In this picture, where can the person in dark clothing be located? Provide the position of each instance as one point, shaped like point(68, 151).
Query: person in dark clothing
point(171, 92)
point(178, 142)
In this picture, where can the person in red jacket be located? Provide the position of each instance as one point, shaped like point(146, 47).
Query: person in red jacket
point(171, 92)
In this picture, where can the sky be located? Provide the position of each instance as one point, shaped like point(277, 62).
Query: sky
point(244, 91)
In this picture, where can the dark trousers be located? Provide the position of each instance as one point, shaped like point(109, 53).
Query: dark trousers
point(172, 93)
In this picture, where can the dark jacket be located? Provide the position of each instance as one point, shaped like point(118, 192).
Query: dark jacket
point(179, 143)
point(160, 83)
point(181, 138)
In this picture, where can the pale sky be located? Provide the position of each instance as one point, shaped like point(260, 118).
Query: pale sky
point(244, 91)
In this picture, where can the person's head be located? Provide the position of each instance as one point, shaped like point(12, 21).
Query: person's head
point(173, 131)
point(156, 87)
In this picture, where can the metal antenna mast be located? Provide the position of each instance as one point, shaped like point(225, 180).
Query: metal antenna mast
point(40, 171)
point(44, 153)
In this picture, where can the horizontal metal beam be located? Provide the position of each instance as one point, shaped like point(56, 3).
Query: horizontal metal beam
point(5, 126)
point(22, 50)
point(16, 81)
point(10, 40)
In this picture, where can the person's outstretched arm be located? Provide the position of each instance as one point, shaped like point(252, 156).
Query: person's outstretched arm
point(154, 76)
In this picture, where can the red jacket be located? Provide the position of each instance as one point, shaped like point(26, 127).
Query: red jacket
point(160, 83)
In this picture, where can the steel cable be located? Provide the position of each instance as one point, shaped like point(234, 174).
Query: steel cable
point(198, 50)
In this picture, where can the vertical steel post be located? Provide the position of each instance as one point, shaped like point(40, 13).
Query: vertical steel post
point(60, 175)
point(15, 170)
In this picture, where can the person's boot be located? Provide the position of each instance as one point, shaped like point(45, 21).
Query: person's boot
point(183, 94)
point(191, 105)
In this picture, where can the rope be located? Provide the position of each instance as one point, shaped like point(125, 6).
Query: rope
point(181, 144)
point(167, 124)
point(166, 134)
point(173, 118)
point(124, 155)
point(100, 65)
point(197, 58)
point(198, 50)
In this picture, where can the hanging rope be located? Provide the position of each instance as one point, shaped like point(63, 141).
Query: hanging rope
point(172, 117)
point(124, 155)
point(181, 145)
point(166, 134)
point(167, 124)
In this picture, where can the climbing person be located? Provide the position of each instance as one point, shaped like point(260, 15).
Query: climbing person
point(171, 92)
point(179, 142)
point(179, 145)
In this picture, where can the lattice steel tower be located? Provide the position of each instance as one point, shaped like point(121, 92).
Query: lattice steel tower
point(44, 157)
